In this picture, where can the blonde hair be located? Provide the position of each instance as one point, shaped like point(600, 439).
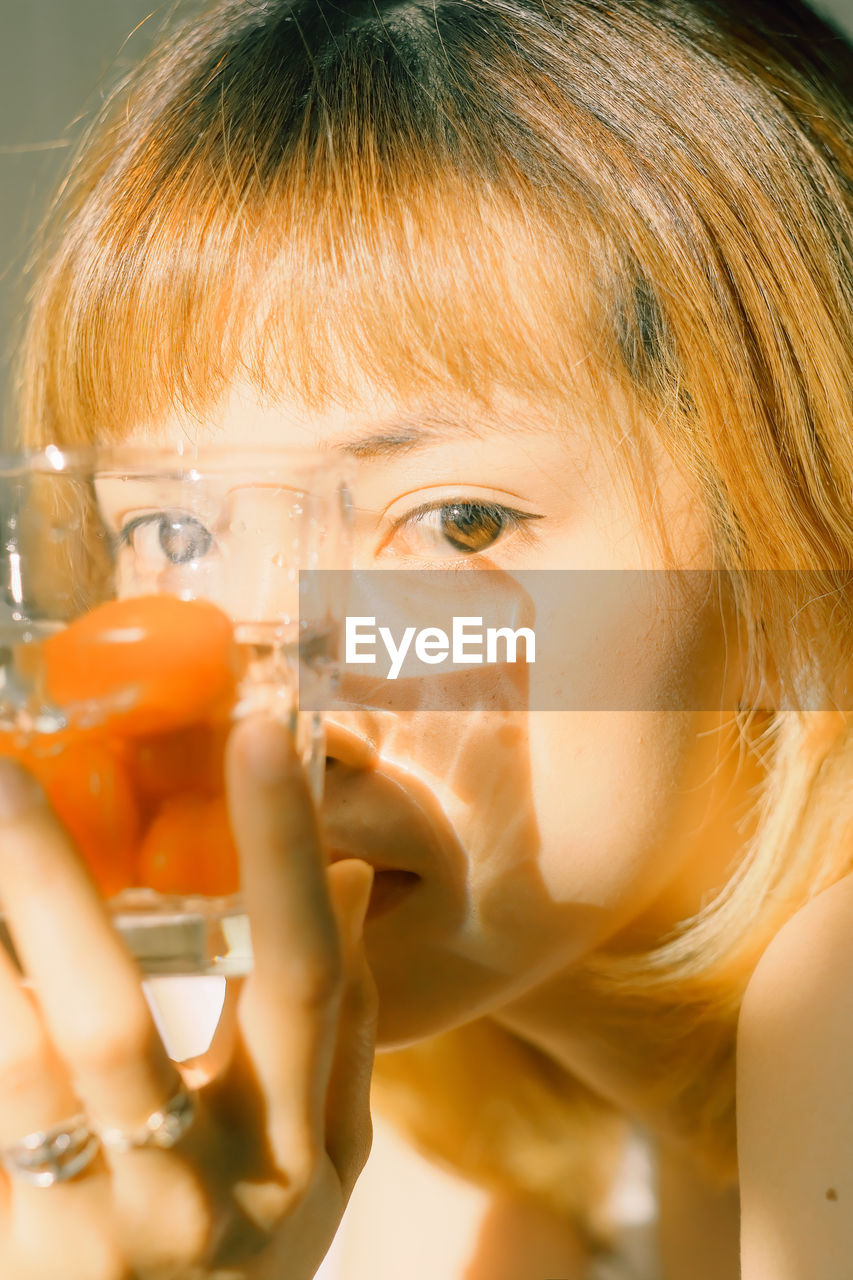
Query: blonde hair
point(463, 194)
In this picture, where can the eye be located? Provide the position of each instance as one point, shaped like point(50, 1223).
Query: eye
point(175, 535)
point(466, 528)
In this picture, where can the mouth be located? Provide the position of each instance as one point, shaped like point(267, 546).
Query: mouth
point(390, 885)
point(391, 820)
point(389, 888)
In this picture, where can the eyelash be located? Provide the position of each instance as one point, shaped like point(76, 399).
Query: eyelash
point(513, 521)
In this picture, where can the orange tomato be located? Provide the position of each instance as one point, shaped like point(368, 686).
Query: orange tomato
point(90, 792)
point(191, 759)
point(12, 746)
point(154, 663)
point(188, 848)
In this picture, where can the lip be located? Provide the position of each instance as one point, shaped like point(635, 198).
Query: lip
point(342, 855)
point(384, 816)
point(372, 817)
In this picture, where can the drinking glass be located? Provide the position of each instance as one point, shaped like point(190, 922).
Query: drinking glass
point(150, 597)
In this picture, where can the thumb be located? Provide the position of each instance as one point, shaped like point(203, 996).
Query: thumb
point(350, 882)
point(349, 1130)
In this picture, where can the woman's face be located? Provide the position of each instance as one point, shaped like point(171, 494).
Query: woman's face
point(511, 844)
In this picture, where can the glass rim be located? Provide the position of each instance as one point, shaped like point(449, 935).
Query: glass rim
point(53, 459)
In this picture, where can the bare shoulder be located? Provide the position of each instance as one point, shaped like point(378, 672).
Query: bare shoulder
point(795, 1097)
point(817, 941)
point(408, 1217)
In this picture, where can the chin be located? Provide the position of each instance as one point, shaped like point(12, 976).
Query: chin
point(415, 1004)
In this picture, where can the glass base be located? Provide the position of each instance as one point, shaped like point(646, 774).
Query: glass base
point(184, 935)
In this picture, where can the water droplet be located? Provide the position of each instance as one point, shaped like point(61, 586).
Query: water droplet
point(49, 722)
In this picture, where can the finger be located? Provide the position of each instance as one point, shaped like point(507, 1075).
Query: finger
point(349, 1130)
point(290, 1004)
point(62, 1231)
point(87, 985)
point(35, 1092)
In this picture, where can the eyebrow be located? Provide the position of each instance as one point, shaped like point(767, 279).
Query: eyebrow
point(403, 439)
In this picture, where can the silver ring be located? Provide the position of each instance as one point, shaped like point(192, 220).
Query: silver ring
point(162, 1129)
point(52, 1155)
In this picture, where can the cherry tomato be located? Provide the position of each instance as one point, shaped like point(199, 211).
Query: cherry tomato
point(11, 745)
point(191, 759)
point(188, 848)
point(154, 663)
point(89, 790)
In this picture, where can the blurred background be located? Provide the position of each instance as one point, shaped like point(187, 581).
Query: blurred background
point(56, 57)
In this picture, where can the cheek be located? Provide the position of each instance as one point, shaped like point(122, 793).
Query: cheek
point(615, 789)
point(607, 795)
point(477, 764)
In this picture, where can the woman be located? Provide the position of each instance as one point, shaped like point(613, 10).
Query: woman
point(612, 242)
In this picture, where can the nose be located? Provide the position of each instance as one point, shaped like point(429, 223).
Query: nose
point(354, 744)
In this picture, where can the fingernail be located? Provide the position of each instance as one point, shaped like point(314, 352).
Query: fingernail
point(358, 910)
point(19, 791)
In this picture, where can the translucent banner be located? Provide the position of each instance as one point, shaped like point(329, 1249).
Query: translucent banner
point(577, 640)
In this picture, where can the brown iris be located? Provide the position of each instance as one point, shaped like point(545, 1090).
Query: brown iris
point(471, 527)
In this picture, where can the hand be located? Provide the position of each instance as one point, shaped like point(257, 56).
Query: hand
point(257, 1185)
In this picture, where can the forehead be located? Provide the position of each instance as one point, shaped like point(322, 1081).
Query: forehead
point(369, 425)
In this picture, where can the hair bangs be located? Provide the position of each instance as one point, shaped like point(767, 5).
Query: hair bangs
point(313, 292)
point(320, 200)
